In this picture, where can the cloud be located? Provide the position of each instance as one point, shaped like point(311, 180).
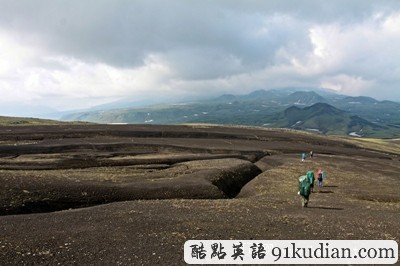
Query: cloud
point(74, 54)
point(351, 85)
point(359, 58)
point(123, 32)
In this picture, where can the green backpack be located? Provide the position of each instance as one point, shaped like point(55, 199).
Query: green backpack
point(311, 178)
point(304, 186)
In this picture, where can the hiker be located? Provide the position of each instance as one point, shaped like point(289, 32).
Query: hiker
point(304, 189)
point(311, 155)
point(303, 156)
point(320, 177)
point(311, 179)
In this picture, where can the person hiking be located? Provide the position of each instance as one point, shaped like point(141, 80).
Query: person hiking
point(303, 156)
point(320, 177)
point(311, 178)
point(304, 190)
point(311, 155)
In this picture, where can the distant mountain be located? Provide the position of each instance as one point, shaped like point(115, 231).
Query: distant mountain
point(304, 98)
point(115, 105)
point(331, 114)
point(326, 119)
point(386, 112)
point(225, 98)
point(121, 104)
point(255, 96)
point(359, 100)
point(273, 98)
point(261, 95)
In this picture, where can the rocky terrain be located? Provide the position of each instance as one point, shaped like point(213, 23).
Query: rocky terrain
point(133, 194)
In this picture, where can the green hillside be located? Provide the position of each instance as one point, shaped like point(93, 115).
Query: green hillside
point(380, 111)
point(326, 119)
point(27, 121)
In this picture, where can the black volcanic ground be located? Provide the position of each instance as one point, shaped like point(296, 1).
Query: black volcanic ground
point(132, 195)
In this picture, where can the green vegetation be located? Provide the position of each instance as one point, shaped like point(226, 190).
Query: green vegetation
point(386, 112)
point(326, 119)
point(25, 121)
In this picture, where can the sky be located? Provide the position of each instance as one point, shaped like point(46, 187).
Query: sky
point(58, 55)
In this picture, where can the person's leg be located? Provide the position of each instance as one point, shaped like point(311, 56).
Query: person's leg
point(304, 201)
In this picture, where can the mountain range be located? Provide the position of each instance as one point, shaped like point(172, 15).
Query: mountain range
point(316, 111)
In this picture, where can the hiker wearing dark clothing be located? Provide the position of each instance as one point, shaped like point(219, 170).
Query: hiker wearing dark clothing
point(304, 190)
point(311, 155)
point(311, 178)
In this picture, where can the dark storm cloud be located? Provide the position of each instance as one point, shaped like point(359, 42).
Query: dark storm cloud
point(123, 33)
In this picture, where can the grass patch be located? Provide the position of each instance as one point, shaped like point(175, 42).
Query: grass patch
point(27, 121)
point(385, 145)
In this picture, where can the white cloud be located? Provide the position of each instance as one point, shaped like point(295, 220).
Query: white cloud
point(351, 85)
point(355, 59)
point(101, 80)
point(31, 76)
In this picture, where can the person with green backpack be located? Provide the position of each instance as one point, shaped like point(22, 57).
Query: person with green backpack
point(311, 178)
point(305, 182)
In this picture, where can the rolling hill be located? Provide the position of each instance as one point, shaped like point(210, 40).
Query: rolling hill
point(326, 119)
